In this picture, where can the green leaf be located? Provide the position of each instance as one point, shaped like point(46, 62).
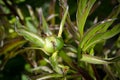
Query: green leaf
point(93, 59)
point(84, 7)
point(11, 45)
point(54, 62)
point(32, 37)
point(112, 15)
point(79, 53)
point(71, 27)
point(109, 72)
point(93, 30)
point(44, 23)
point(30, 25)
point(117, 67)
point(102, 36)
point(32, 15)
point(66, 58)
point(62, 23)
point(118, 42)
point(48, 76)
point(35, 48)
point(114, 59)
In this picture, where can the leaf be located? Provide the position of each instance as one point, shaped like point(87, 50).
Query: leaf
point(42, 68)
point(115, 59)
point(32, 15)
point(117, 67)
point(93, 59)
point(109, 72)
point(66, 58)
point(93, 30)
point(49, 76)
point(32, 37)
point(71, 27)
point(54, 62)
point(44, 23)
point(30, 25)
point(84, 7)
point(62, 23)
point(11, 45)
point(112, 15)
point(102, 36)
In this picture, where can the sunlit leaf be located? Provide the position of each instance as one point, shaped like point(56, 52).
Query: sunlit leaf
point(71, 26)
point(93, 30)
point(98, 60)
point(30, 25)
point(32, 37)
point(54, 62)
point(93, 59)
point(84, 7)
point(42, 68)
point(49, 76)
point(62, 23)
point(102, 36)
point(114, 59)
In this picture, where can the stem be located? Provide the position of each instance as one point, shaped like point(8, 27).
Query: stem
point(83, 72)
point(95, 72)
point(109, 72)
point(52, 11)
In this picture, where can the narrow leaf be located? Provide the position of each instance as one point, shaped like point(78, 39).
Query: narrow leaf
point(54, 63)
point(66, 58)
point(93, 30)
point(102, 36)
point(31, 12)
point(84, 7)
point(49, 76)
point(62, 23)
point(109, 72)
point(32, 37)
point(44, 23)
point(71, 27)
point(30, 25)
point(112, 15)
point(115, 59)
point(11, 45)
point(93, 59)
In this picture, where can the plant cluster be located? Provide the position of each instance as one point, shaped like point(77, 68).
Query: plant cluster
point(58, 47)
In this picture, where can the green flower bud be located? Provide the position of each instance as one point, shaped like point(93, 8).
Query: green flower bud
point(53, 44)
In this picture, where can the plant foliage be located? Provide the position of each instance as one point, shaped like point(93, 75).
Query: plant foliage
point(43, 45)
